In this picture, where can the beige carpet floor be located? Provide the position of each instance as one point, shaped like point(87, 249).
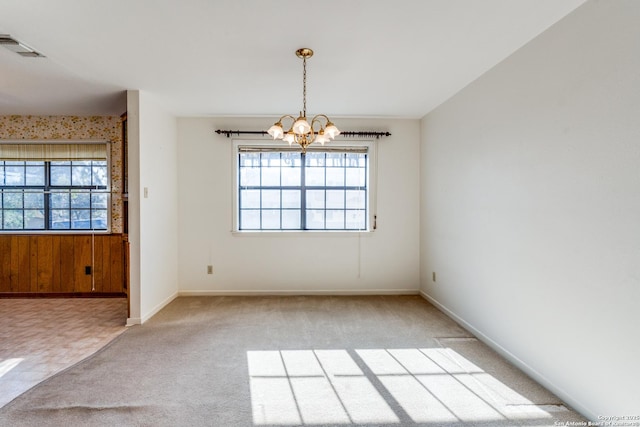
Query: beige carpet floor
point(284, 361)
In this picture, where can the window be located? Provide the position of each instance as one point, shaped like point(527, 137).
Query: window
point(40, 195)
point(284, 189)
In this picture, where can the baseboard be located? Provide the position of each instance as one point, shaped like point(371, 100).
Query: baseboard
point(342, 292)
point(158, 307)
point(132, 321)
point(535, 375)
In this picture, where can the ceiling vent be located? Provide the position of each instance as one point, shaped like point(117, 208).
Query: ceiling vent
point(18, 47)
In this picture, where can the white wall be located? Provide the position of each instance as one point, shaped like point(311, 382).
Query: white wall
point(153, 220)
point(386, 260)
point(531, 207)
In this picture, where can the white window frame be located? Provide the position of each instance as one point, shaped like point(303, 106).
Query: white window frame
point(372, 152)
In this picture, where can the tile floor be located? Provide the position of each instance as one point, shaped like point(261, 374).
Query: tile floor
point(40, 337)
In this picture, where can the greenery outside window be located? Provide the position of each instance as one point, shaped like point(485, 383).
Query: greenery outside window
point(52, 194)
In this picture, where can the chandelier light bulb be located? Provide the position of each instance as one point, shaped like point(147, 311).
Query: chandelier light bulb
point(321, 137)
point(331, 130)
point(301, 126)
point(276, 131)
point(289, 137)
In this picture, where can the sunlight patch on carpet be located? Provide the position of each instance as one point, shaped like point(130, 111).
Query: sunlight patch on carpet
point(379, 386)
point(8, 364)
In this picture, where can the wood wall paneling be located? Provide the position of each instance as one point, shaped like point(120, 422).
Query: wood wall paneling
point(50, 264)
point(5, 265)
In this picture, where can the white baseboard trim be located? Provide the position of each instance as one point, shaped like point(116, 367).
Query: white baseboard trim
point(535, 375)
point(158, 307)
point(343, 292)
point(131, 321)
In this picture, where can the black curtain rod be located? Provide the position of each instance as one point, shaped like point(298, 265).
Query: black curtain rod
point(367, 134)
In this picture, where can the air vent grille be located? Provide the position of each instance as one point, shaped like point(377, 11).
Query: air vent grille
point(18, 47)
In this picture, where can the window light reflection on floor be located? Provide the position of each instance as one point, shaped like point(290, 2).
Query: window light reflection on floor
point(308, 387)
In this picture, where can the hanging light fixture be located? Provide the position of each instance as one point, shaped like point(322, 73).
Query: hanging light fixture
point(301, 131)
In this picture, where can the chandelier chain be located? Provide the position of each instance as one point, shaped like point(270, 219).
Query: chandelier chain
point(304, 86)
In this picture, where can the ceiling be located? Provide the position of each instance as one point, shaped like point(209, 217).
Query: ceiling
point(373, 58)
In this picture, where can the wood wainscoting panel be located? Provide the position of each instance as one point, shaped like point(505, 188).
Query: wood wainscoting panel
point(57, 264)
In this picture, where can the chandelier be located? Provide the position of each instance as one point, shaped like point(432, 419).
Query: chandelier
point(301, 131)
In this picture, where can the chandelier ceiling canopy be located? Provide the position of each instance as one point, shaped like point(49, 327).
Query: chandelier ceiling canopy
point(303, 132)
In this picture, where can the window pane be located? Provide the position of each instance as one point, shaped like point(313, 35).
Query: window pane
point(99, 175)
point(249, 199)
point(315, 159)
point(12, 200)
point(80, 175)
point(99, 200)
point(291, 160)
point(314, 177)
point(34, 200)
point(99, 219)
point(249, 159)
point(270, 219)
point(335, 177)
point(80, 200)
point(315, 199)
point(60, 219)
point(335, 199)
point(270, 199)
point(59, 200)
point(60, 175)
point(270, 159)
point(249, 219)
point(13, 220)
point(14, 175)
point(315, 219)
point(33, 219)
point(290, 198)
point(354, 160)
point(270, 177)
point(249, 177)
point(335, 219)
point(356, 199)
point(335, 160)
point(355, 177)
point(355, 219)
point(291, 176)
point(34, 175)
point(80, 219)
point(291, 219)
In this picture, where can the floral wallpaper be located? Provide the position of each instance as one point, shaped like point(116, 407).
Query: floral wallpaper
point(75, 127)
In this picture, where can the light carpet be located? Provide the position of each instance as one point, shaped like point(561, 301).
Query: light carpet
point(283, 361)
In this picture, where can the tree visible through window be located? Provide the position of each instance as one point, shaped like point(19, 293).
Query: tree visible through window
point(288, 190)
point(54, 195)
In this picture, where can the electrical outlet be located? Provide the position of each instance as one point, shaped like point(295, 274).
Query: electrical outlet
point(433, 276)
point(209, 269)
